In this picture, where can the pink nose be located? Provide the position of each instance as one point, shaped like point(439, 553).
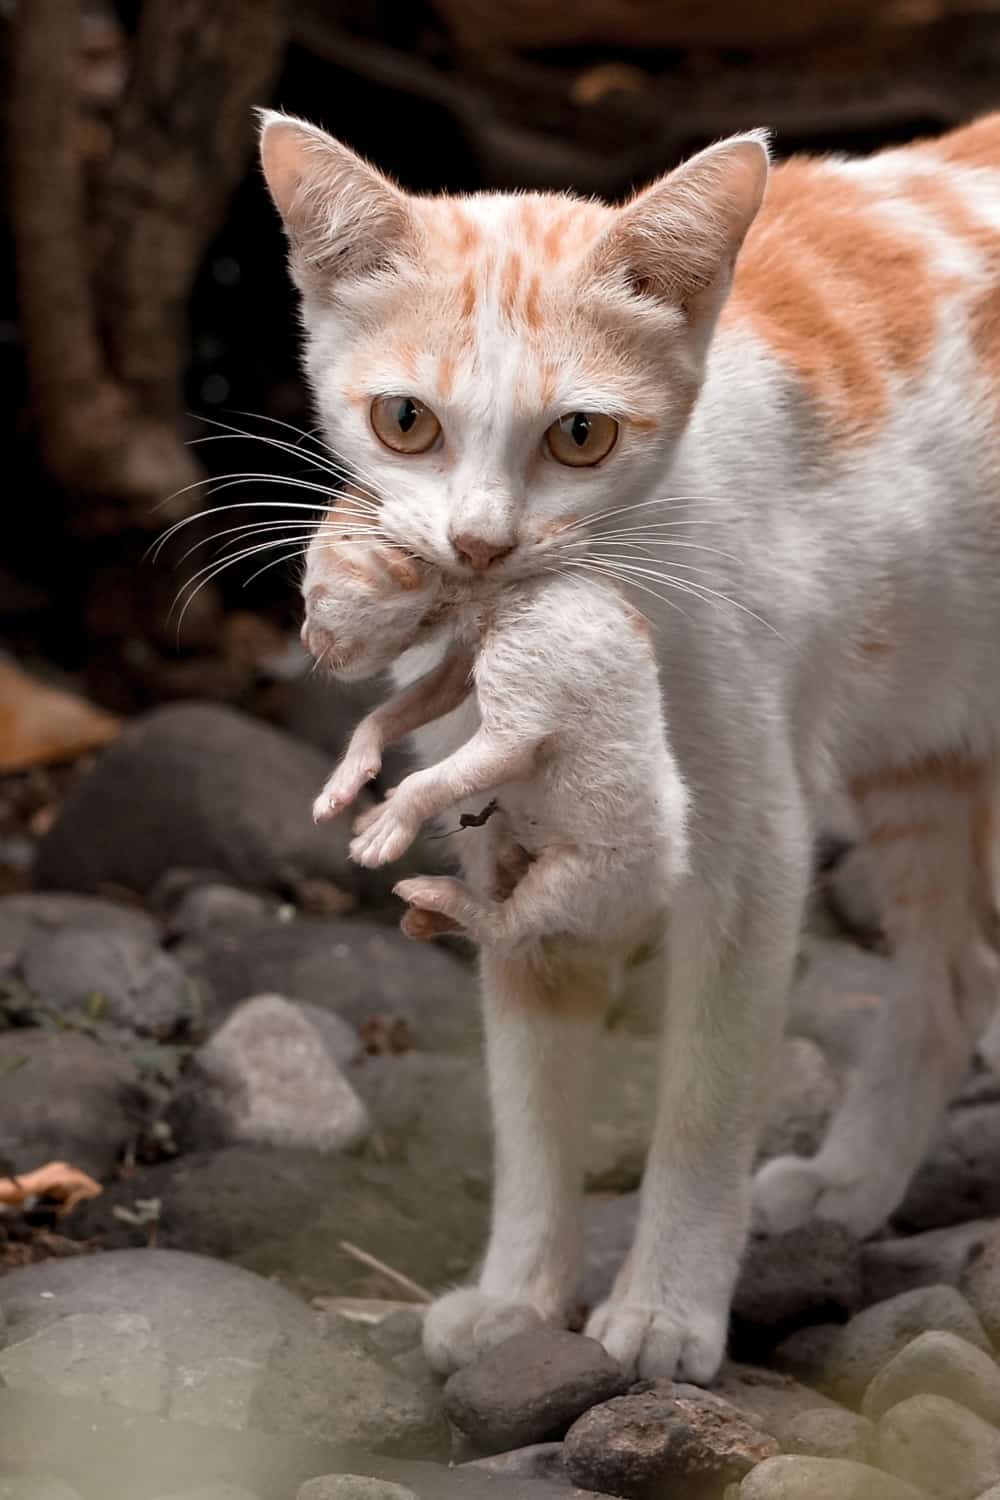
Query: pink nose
point(477, 552)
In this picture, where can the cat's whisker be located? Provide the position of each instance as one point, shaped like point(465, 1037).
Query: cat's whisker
point(228, 432)
point(606, 573)
point(254, 529)
point(691, 585)
point(694, 547)
point(272, 505)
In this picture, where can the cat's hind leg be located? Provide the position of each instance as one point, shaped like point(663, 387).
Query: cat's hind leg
point(929, 829)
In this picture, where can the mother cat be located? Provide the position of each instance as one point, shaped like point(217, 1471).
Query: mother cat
point(788, 404)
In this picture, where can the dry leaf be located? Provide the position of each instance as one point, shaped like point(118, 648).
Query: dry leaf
point(57, 1179)
point(41, 725)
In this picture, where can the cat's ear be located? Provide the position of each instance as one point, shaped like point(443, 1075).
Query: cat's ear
point(342, 217)
point(678, 239)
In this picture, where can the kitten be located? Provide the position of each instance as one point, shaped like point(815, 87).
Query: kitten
point(570, 740)
point(777, 420)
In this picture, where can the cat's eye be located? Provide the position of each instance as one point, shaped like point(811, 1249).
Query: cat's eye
point(582, 438)
point(404, 424)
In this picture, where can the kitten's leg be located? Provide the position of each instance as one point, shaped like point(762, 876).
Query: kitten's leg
point(730, 953)
point(480, 765)
point(434, 694)
point(928, 828)
point(542, 1021)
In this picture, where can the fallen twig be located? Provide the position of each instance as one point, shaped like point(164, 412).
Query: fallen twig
point(420, 1293)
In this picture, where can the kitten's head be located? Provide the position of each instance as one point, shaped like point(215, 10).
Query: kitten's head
point(498, 367)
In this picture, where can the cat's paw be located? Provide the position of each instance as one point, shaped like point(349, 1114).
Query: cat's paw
point(791, 1191)
point(443, 897)
point(354, 772)
point(383, 835)
point(462, 1325)
point(661, 1343)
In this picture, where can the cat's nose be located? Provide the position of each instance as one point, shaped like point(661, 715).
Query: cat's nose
point(477, 552)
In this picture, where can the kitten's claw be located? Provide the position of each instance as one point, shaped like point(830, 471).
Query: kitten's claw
point(441, 897)
point(343, 787)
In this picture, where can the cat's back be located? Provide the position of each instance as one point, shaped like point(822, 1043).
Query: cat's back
point(865, 279)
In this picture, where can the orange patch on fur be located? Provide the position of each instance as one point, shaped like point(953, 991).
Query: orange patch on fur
point(533, 303)
point(553, 983)
point(839, 296)
point(552, 240)
point(403, 570)
point(467, 236)
point(468, 293)
point(510, 284)
point(952, 769)
point(975, 145)
point(547, 394)
point(446, 372)
point(897, 833)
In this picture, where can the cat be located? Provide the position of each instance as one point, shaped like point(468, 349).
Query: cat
point(773, 409)
point(570, 742)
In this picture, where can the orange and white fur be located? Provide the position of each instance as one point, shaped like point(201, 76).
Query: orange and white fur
point(590, 806)
point(804, 493)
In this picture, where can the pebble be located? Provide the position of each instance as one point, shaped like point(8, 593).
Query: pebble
point(529, 1388)
point(936, 1444)
point(873, 1337)
point(108, 977)
point(806, 1093)
point(829, 1432)
point(981, 1285)
point(353, 1487)
point(805, 1353)
point(822, 1479)
point(814, 1270)
point(936, 1257)
point(664, 1440)
point(271, 1076)
point(537, 1461)
point(211, 1492)
point(937, 1364)
point(774, 1400)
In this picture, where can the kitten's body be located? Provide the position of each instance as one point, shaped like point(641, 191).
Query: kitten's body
point(824, 455)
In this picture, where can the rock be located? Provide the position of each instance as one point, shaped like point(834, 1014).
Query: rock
point(207, 905)
point(284, 1213)
point(937, 1364)
point(805, 1353)
point(829, 1432)
point(197, 785)
point(622, 1105)
point(822, 1479)
point(661, 1441)
point(981, 1285)
point(937, 1257)
point(353, 1487)
point(109, 977)
point(807, 1091)
point(608, 1230)
point(837, 997)
point(271, 1075)
point(538, 1461)
point(960, 1178)
point(32, 1487)
point(193, 1340)
point(993, 1493)
point(66, 1097)
point(212, 1492)
point(773, 1400)
point(398, 1333)
point(530, 1387)
point(41, 914)
point(814, 1271)
point(934, 1443)
point(873, 1337)
point(355, 968)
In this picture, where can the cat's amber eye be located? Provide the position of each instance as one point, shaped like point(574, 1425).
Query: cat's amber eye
point(582, 438)
point(404, 424)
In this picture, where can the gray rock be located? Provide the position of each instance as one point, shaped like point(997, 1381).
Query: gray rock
point(827, 1432)
point(66, 1097)
point(212, 1492)
point(538, 1461)
point(271, 1075)
point(117, 977)
point(622, 1105)
point(193, 1340)
point(355, 968)
point(197, 786)
point(807, 1091)
point(822, 1479)
point(770, 1398)
point(353, 1487)
point(284, 1214)
point(41, 914)
point(32, 1487)
point(934, 1443)
point(815, 1270)
point(664, 1440)
point(873, 1337)
point(937, 1364)
point(837, 997)
point(399, 1332)
point(206, 905)
point(960, 1178)
point(981, 1284)
point(993, 1493)
point(608, 1230)
point(529, 1388)
point(806, 1353)
point(937, 1257)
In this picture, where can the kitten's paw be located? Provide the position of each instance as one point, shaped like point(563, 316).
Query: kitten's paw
point(354, 772)
point(659, 1343)
point(792, 1190)
point(444, 898)
point(383, 837)
point(423, 926)
point(466, 1323)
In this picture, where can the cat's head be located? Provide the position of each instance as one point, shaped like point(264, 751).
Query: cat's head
point(496, 368)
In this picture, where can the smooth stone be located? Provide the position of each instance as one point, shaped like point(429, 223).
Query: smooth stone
point(271, 1075)
point(806, 1353)
point(936, 1257)
point(981, 1284)
point(934, 1443)
point(873, 1337)
point(530, 1387)
point(959, 1179)
point(537, 1461)
point(792, 1478)
point(937, 1364)
point(806, 1093)
point(812, 1271)
point(661, 1441)
point(353, 1487)
point(116, 978)
point(66, 1097)
point(768, 1397)
point(827, 1432)
point(837, 997)
point(212, 1492)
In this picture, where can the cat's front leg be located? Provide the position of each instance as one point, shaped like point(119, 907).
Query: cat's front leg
point(731, 950)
